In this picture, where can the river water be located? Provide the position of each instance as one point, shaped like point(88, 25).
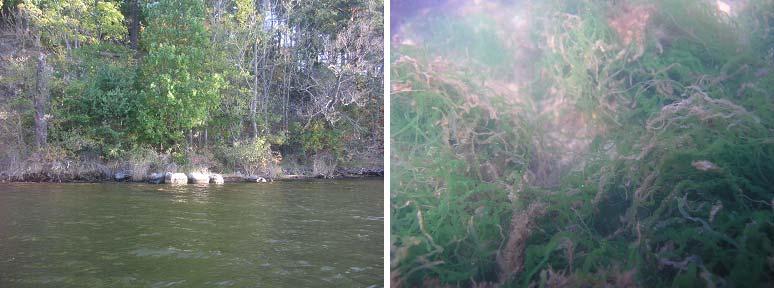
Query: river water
point(321, 233)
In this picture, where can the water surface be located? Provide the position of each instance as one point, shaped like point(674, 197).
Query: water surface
point(322, 233)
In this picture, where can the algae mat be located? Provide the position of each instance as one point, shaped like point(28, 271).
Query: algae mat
point(575, 143)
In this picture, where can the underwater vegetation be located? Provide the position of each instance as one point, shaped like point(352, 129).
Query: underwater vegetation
point(579, 143)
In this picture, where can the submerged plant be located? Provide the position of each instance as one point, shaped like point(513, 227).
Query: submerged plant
point(449, 209)
point(634, 149)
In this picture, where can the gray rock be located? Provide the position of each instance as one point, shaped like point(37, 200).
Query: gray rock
point(216, 179)
point(156, 178)
point(175, 178)
point(198, 178)
point(121, 176)
point(256, 179)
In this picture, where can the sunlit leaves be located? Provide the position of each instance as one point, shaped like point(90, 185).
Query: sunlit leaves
point(178, 88)
point(245, 9)
point(74, 23)
point(110, 21)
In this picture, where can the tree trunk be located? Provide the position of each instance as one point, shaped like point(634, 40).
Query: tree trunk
point(40, 101)
point(254, 102)
point(134, 25)
point(286, 99)
point(20, 130)
point(266, 90)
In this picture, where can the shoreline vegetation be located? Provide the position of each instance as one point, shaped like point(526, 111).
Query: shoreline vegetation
point(103, 174)
point(266, 88)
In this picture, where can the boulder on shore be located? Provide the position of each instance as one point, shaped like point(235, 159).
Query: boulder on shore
point(256, 179)
point(233, 178)
point(175, 178)
point(361, 172)
point(198, 178)
point(156, 178)
point(216, 179)
point(121, 176)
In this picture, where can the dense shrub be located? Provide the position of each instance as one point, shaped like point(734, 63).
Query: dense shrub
point(318, 136)
point(94, 112)
point(253, 157)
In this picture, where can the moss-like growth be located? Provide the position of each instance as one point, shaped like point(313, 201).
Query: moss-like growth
point(459, 150)
point(637, 143)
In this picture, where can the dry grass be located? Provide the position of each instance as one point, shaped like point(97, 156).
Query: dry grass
point(142, 162)
point(324, 164)
point(55, 166)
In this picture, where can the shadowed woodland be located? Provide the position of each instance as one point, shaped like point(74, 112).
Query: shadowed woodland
point(579, 143)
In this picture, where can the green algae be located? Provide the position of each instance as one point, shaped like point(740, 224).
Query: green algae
point(673, 189)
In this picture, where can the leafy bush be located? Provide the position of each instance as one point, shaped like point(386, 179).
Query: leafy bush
point(97, 108)
point(253, 157)
point(319, 137)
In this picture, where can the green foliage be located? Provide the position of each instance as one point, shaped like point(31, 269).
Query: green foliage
point(99, 106)
point(244, 10)
point(319, 136)
point(252, 156)
point(75, 22)
point(178, 90)
point(203, 72)
point(109, 21)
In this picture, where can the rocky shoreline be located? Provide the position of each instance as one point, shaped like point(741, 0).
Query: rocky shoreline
point(178, 178)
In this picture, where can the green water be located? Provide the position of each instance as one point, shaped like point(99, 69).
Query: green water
point(282, 234)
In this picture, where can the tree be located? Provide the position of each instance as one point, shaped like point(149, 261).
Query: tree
point(74, 22)
point(134, 25)
point(99, 104)
point(178, 88)
point(40, 101)
point(220, 72)
point(234, 33)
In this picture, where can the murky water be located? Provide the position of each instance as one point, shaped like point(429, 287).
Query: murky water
point(282, 234)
